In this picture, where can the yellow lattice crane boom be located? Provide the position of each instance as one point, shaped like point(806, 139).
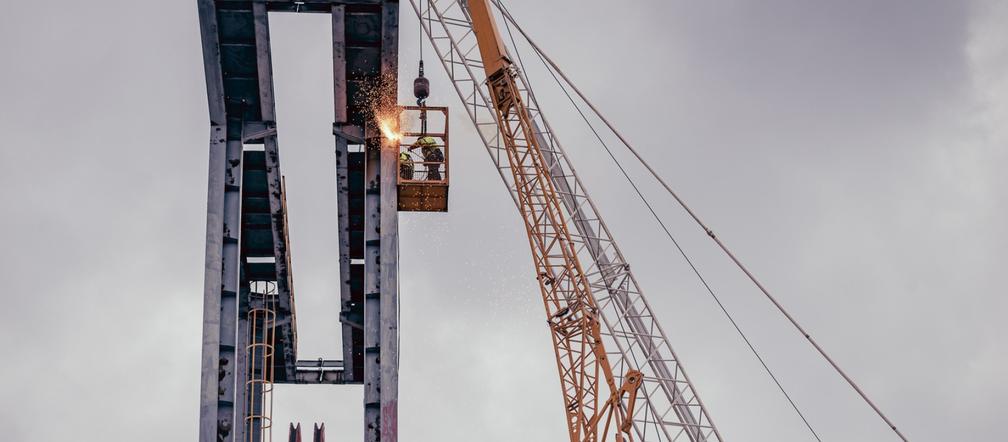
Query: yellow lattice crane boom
point(571, 310)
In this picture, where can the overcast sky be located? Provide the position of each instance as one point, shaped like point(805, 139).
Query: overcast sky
point(851, 152)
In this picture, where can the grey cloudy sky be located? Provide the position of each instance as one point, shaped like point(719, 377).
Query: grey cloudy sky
point(851, 152)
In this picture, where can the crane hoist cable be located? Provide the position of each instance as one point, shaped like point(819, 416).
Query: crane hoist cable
point(521, 64)
point(668, 233)
point(707, 230)
point(573, 314)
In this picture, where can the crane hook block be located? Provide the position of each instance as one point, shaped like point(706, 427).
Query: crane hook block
point(421, 88)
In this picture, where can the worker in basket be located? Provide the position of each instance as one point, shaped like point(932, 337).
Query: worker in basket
point(405, 166)
point(432, 155)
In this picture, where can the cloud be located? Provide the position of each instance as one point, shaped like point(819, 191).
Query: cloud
point(851, 153)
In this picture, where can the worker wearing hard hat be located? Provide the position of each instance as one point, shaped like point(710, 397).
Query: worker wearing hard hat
point(405, 166)
point(432, 155)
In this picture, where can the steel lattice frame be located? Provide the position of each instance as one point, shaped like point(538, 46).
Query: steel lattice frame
point(566, 292)
point(668, 408)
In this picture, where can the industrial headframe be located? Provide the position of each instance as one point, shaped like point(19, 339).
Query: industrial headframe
point(620, 379)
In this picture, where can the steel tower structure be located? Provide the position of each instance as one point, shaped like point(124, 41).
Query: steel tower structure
point(618, 373)
point(249, 322)
point(617, 369)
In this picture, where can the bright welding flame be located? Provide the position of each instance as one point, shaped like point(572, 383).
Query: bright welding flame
point(386, 125)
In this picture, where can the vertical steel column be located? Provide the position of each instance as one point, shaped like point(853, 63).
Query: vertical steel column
point(342, 176)
point(213, 420)
point(210, 360)
point(229, 291)
point(220, 304)
point(339, 65)
point(221, 281)
point(274, 181)
point(389, 262)
point(372, 288)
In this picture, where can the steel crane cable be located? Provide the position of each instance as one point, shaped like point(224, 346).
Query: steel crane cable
point(621, 324)
point(553, 67)
point(682, 251)
point(703, 281)
point(420, 38)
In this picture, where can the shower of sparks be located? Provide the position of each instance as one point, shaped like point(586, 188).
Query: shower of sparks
point(387, 127)
point(378, 97)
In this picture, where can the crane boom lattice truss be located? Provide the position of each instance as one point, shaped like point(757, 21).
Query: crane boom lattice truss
point(663, 405)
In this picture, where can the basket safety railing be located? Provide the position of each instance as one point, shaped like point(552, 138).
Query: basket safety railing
point(415, 165)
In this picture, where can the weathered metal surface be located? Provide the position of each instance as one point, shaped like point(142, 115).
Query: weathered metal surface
point(254, 244)
point(285, 355)
point(339, 64)
point(347, 306)
point(343, 227)
point(217, 390)
point(356, 62)
point(389, 234)
point(212, 62)
point(372, 291)
point(353, 313)
point(210, 359)
point(210, 354)
point(229, 291)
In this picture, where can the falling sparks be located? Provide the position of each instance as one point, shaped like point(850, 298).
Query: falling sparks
point(378, 96)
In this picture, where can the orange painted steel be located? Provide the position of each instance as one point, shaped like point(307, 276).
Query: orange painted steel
point(570, 307)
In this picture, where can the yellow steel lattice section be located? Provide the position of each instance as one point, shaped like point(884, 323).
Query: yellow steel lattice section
point(573, 316)
point(656, 397)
